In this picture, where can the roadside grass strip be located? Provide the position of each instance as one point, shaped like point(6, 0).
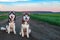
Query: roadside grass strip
point(50, 18)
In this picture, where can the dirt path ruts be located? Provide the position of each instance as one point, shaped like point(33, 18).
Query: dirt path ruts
point(40, 31)
point(45, 31)
point(6, 36)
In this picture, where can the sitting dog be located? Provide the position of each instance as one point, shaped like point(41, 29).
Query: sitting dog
point(25, 30)
point(11, 23)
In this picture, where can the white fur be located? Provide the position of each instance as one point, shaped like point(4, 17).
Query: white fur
point(26, 16)
point(3, 28)
point(11, 25)
point(28, 30)
point(12, 15)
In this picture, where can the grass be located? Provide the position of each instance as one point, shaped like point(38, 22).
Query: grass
point(49, 18)
point(18, 13)
point(4, 15)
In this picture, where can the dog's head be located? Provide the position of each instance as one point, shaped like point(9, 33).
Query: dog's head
point(11, 16)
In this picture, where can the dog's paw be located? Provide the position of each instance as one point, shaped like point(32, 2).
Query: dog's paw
point(20, 33)
point(27, 36)
point(22, 36)
point(8, 33)
point(14, 32)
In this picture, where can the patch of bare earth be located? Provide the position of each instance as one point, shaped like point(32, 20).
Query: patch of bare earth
point(40, 31)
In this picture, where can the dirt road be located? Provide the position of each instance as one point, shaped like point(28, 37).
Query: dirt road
point(40, 31)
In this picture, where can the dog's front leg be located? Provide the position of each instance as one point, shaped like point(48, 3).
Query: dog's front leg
point(27, 32)
point(14, 29)
point(8, 29)
point(22, 32)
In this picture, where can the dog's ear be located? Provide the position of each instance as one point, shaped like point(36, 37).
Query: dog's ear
point(11, 12)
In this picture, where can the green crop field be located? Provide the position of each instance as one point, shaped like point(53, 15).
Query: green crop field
point(49, 18)
point(4, 15)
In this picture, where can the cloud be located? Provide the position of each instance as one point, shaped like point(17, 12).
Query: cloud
point(12, 0)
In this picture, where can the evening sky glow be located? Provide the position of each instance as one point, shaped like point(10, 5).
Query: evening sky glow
point(30, 5)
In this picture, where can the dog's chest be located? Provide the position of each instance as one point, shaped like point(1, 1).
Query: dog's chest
point(25, 26)
point(11, 25)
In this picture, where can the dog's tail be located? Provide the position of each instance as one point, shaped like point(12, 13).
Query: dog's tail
point(3, 28)
point(29, 31)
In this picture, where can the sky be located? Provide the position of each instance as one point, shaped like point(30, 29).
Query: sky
point(30, 5)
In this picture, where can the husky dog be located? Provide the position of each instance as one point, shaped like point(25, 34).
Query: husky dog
point(11, 23)
point(25, 25)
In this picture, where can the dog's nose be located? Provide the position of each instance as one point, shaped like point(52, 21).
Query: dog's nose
point(11, 16)
point(26, 18)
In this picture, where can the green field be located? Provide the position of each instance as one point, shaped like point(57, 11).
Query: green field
point(4, 15)
point(49, 18)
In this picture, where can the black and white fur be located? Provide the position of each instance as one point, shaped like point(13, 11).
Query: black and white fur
point(11, 23)
point(25, 29)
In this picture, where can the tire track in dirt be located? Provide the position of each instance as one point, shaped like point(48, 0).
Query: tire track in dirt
point(6, 36)
point(40, 31)
point(45, 31)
